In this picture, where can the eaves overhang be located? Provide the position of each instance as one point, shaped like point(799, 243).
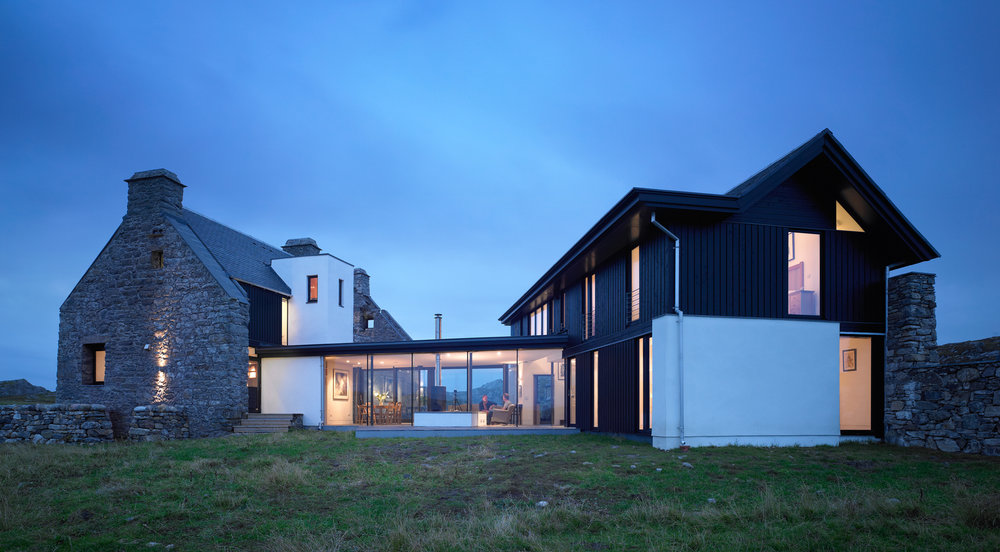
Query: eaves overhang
point(637, 199)
point(557, 341)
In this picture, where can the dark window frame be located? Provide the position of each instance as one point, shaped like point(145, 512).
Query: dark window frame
point(340, 291)
point(310, 298)
point(156, 258)
point(88, 369)
point(821, 269)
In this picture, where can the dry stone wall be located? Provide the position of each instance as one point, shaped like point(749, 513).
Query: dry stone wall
point(158, 423)
point(945, 398)
point(55, 423)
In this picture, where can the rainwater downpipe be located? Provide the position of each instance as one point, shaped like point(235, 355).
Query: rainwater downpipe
point(680, 325)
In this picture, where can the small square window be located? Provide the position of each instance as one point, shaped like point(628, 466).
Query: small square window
point(93, 364)
point(370, 323)
point(156, 258)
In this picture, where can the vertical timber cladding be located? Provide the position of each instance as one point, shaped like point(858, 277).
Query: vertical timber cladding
point(618, 378)
point(265, 315)
point(740, 269)
point(618, 382)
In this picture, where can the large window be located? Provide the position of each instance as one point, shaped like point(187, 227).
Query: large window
point(803, 273)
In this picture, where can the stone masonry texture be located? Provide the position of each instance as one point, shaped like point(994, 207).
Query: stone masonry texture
point(196, 333)
point(55, 423)
point(365, 308)
point(158, 423)
point(945, 398)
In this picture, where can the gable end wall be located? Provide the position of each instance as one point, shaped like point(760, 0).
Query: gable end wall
point(197, 334)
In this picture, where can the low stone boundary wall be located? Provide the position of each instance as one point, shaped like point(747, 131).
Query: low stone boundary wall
point(158, 423)
point(55, 423)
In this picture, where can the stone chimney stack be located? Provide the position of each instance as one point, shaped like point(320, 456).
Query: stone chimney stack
point(911, 333)
point(301, 247)
point(361, 283)
point(152, 192)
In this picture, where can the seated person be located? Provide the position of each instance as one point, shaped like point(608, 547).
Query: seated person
point(486, 403)
point(506, 400)
point(484, 406)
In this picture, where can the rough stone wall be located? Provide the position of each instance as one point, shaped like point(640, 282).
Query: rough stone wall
point(365, 308)
point(55, 423)
point(197, 334)
point(945, 398)
point(158, 423)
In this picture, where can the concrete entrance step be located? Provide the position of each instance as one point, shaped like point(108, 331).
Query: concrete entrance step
point(264, 423)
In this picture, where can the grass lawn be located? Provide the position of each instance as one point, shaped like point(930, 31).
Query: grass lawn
point(312, 490)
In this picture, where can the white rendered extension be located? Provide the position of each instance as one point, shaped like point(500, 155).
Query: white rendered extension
point(747, 381)
point(326, 320)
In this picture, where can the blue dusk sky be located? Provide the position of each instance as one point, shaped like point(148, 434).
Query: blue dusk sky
point(456, 150)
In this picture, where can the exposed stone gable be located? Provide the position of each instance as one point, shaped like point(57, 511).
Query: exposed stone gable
point(196, 332)
point(385, 327)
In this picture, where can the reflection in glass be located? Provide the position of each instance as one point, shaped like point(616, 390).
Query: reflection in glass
point(444, 380)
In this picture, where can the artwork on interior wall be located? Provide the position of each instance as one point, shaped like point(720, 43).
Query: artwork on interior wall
point(340, 385)
point(850, 360)
point(561, 371)
point(791, 246)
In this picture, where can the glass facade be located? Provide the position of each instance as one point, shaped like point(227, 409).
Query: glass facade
point(388, 389)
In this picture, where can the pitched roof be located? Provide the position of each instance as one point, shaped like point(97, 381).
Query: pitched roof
point(240, 256)
point(738, 199)
point(205, 256)
point(769, 171)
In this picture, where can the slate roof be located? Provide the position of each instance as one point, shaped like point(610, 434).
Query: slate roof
point(240, 256)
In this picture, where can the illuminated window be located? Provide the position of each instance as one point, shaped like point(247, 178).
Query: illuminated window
point(803, 273)
point(595, 389)
point(284, 321)
point(633, 295)
point(589, 308)
point(313, 286)
point(845, 221)
point(539, 321)
point(93, 364)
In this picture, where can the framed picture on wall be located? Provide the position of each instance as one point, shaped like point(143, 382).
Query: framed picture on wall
point(561, 371)
point(340, 385)
point(791, 246)
point(850, 360)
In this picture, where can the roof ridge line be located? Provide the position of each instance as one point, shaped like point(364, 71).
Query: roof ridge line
point(224, 225)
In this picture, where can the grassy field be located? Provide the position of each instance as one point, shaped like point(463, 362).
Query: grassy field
point(39, 398)
point(328, 491)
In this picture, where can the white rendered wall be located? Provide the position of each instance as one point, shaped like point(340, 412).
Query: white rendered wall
point(292, 386)
point(324, 321)
point(747, 381)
